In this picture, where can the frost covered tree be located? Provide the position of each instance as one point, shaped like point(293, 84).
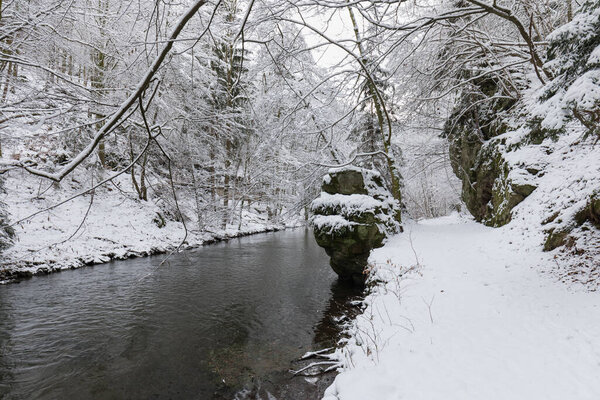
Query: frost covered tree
point(574, 58)
point(6, 231)
point(241, 116)
point(294, 116)
point(229, 99)
point(374, 126)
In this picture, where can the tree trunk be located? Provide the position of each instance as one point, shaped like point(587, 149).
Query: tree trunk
point(379, 112)
point(225, 198)
point(197, 199)
point(241, 214)
point(99, 59)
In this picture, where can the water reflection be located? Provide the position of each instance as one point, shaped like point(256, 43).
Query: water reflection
point(216, 320)
point(342, 306)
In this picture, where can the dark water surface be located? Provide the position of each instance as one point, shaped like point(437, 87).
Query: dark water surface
point(212, 322)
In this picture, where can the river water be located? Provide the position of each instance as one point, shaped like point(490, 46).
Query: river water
point(221, 322)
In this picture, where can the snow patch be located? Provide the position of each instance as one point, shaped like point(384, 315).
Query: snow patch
point(331, 223)
point(353, 203)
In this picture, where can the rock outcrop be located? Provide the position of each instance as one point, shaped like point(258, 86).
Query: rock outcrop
point(353, 215)
point(530, 156)
point(491, 188)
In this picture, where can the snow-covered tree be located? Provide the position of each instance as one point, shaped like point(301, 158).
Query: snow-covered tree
point(6, 231)
point(574, 58)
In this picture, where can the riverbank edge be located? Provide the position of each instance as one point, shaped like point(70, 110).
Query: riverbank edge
point(26, 270)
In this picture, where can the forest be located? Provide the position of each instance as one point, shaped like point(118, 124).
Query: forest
point(133, 128)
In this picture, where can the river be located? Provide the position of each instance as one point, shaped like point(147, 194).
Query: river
point(220, 322)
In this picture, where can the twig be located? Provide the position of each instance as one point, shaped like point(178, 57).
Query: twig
point(429, 307)
point(76, 230)
point(116, 118)
point(110, 178)
point(149, 130)
point(413, 248)
point(82, 221)
point(374, 153)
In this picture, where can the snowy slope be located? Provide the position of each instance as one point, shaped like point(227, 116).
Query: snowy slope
point(569, 176)
point(112, 224)
point(463, 313)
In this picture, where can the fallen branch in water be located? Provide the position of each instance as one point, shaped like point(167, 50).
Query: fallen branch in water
point(318, 354)
point(332, 365)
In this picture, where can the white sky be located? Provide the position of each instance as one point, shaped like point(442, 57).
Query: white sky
point(336, 26)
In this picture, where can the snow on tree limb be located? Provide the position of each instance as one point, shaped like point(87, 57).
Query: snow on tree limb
point(115, 120)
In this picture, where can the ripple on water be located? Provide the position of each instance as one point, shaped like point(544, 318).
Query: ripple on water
point(205, 325)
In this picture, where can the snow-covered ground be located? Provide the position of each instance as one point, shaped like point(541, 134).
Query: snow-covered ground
point(111, 224)
point(461, 311)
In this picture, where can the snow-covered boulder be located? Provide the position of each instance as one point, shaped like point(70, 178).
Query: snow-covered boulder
point(353, 215)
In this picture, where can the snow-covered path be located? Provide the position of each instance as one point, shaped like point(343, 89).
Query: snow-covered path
point(478, 321)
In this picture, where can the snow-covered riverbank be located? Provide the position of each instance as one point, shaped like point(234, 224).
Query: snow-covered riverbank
point(464, 311)
point(111, 224)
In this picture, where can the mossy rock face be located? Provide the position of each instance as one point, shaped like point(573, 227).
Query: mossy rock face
point(346, 182)
point(561, 235)
point(353, 215)
point(349, 249)
point(594, 208)
point(487, 189)
point(591, 212)
point(555, 239)
point(479, 180)
point(476, 155)
point(523, 189)
point(506, 195)
point(476, 148)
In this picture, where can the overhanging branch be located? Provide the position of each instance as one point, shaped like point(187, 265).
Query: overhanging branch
point(115, 119)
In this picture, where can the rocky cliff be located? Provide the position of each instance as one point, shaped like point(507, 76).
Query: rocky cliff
point(533, 161)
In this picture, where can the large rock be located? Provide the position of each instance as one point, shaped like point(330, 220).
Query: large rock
point(353, 215)
point(491, 188)
point(559, 235)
